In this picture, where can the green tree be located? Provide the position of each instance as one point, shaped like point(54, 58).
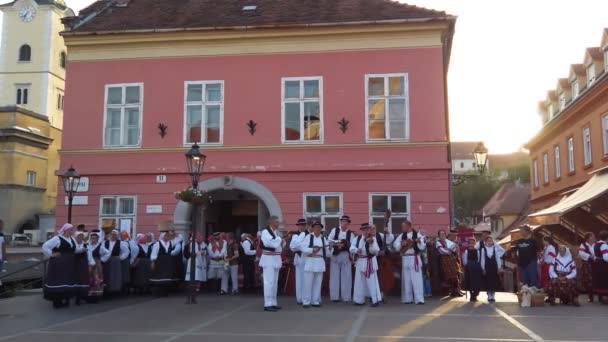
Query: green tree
point(470, 196)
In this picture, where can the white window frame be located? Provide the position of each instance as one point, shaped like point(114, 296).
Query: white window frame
point(546, 168)
point(387, 128)
point(557, 159)
point(22, 87)
point(301, 101)
point(122, 107)
point(535, 172)
point(203, 103)
point(605, 133)
point(587, 156)
point(606, 59)
point(571, 164)
point(551, 111)
point(323, 214)
point(30, 178)
point(591, 74)
point(390, 195)
point(562, 101)
point(117, 216)
point(576, 90)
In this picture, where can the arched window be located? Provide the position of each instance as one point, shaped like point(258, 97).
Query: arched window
point(62, 59)
point(25, 53)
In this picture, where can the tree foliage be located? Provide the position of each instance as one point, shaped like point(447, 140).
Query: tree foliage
point(470, 197)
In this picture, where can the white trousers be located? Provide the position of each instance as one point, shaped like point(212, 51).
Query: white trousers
point(299, 282)
point(231, 273)
point(365, 286)
point(412, 286)
point(340, 277)
point(215, 273)
point(312, 288)
point(271, 280)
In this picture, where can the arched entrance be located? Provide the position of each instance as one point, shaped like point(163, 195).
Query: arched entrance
point(239, 204)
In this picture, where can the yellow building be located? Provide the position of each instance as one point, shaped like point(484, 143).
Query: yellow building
point(32, 80)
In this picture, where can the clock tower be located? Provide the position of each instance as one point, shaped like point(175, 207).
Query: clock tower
point(33, 57)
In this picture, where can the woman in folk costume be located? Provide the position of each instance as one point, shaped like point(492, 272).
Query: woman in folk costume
point(96, 254)
point(366, 247)
point(59, 280)
point(549, 254)
point(141, 265)
point(177, 240)
point(113, 267)
point(563, 279)
point(316, 249)
point(491, 257)
point(600, 267)
point(473, 274)
point(587, 256)
point(217, 250)
point(450, 266)
point(200, 271)
point(128, 262)
point(81, 268)
point(162, 262)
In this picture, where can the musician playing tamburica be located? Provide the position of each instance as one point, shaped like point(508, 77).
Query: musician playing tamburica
point(409, 244)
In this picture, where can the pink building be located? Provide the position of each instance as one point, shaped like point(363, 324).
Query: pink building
point(302, 110)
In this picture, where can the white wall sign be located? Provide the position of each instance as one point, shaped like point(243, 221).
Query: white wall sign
point(78, 200)
point(83, 186)
point(161, 179)
point(154, 209)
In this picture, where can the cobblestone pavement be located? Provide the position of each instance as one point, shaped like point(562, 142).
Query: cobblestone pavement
point(30, 318)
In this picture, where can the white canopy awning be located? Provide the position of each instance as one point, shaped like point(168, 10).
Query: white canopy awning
point(594, 188)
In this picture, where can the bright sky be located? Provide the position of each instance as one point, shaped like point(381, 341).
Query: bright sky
point(506, 55)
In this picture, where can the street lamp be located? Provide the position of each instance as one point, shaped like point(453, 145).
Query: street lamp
point(195, 162)
point(71, 181)
point(481, 159)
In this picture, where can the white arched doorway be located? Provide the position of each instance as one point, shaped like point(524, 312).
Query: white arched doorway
point(234, 188)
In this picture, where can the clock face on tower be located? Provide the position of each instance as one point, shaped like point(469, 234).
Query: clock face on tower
point(27, 13)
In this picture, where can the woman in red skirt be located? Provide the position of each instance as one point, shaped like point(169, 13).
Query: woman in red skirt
point(585, 253)
point(563, 279)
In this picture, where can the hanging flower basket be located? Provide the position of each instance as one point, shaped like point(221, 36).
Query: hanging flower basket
point(194, 196)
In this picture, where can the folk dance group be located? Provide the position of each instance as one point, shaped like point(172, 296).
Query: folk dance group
point(89, 266)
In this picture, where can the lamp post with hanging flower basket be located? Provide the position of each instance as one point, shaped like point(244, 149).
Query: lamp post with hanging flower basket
point(195, 162)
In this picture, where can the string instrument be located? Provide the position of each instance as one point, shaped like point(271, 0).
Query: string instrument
point(386, 277)
point(406, 245)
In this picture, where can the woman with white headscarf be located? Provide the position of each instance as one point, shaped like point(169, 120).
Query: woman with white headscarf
point(113, 268)
point(563, 279)
point(59, 279)
point(96, 254)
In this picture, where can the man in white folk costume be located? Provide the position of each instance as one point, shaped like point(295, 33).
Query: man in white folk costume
point(316, 249)
point(409, 244)
point(217, 250)
point(340, 271)
point(248, 262)
point(270, 262)
point(299, 259)
point(366, 248)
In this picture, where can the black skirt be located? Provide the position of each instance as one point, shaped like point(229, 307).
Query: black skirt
point(473, 276)
point(126, 271)
point(141, 274)
point(164, 271)
point(112, 274)
point(81, 274)
point(179, 270)
point(59, 280)
point(491, 280)
point(600, 277)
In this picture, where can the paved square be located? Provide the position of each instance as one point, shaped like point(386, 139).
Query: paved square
point(30, 318)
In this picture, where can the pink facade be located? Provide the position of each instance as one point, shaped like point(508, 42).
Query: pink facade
point(342, 163)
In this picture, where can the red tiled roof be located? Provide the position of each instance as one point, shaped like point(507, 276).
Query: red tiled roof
point(564, 83)
point(463, 149)
point(204, 14)
point(510, 199)
point(595, 53)
point(578, 69)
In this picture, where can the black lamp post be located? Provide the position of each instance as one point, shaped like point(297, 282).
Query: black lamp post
point(71, 181)
point(195, 161)
point(481, 159)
